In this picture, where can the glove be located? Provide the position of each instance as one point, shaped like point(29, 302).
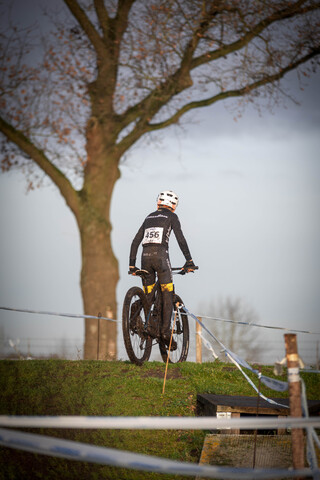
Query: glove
point(189, 266)
point(132, 270)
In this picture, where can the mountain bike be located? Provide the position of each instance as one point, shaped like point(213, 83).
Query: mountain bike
point(141, 324)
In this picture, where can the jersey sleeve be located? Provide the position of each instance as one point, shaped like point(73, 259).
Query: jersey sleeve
point(176, 227)
point(135, 245)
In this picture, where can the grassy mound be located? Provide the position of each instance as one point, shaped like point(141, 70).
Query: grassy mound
point(57, 387)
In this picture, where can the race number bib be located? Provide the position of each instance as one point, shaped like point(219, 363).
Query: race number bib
point(152, 235)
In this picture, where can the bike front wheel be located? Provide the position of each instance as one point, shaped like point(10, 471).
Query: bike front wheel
point(138, 344)
point(180, 326)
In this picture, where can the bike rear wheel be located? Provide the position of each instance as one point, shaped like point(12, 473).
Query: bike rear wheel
point(138, 344)
point(180, 335)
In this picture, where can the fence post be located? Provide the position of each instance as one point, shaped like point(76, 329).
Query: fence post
point(198, 342)
point(294, 398)
point(98, 341)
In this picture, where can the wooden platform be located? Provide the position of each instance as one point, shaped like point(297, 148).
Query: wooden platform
point(211, 405)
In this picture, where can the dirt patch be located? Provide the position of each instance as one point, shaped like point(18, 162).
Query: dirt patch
point(159, 373)
point(125, 370)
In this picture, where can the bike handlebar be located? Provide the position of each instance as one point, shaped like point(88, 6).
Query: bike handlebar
point(182, 271)
point(181, 268)
point(177, 270)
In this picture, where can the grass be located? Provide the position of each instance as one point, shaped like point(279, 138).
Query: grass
point(57, 387)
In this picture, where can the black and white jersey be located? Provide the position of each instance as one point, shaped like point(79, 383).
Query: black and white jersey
point(155, 231)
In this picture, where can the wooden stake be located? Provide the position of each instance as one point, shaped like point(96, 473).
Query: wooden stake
point(294, 399)
point(165, 375)
point(256, 432)
point(198, 342)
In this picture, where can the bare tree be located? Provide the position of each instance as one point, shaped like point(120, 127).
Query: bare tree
point(111, 72)
point(231, 320)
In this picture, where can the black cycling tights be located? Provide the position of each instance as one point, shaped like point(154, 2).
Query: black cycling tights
point(155, 260)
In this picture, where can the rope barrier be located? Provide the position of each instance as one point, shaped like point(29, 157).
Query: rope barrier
point(250, 324)
point(309, 370)
point(71, 315)
point(230, 354)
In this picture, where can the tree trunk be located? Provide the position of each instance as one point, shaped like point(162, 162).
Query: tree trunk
point(99, 278)
point(100, 273)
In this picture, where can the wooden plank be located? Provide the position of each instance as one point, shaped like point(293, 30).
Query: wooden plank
point(235, 431)
point(210, 404)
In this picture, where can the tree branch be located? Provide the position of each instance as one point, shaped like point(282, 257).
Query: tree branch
point(37, 155)
point(118, 25)
point(283, 14)
point(227, 94)
point(113, 28)
point(103, 16)
point(181, 79)
point(87, 27)
point(121, 19)
point(175, 83)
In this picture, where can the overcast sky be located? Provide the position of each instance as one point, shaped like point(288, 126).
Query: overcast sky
point(249, 208)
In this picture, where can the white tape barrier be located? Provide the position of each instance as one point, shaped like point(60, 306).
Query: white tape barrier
point(273, 384)
point(269, 400)
point(269, 382)
point(118, 458)
point(157, 423)
point(316, 438)
point(208, 345)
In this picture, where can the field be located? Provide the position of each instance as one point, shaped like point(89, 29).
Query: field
point(58, 387)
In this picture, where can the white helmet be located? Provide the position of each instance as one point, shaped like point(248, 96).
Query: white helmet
point(167, 198)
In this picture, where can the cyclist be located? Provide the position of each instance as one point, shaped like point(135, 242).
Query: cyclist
point(154, 234)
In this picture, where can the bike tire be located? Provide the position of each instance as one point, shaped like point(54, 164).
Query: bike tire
point(180, 335)
point(138, 345)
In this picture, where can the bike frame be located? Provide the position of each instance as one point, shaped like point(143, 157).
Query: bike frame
point(140, 332)
point(156, 292)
